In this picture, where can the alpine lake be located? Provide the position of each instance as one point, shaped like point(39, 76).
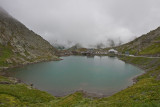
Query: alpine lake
point(98, 75)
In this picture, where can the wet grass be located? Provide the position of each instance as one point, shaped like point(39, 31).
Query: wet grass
point(5, 53)
point(151, 50)
point(21, 94)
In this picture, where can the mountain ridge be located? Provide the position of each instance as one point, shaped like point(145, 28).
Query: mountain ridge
point(145, 45)
point(19, 45)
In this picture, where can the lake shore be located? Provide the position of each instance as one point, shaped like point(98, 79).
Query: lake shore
point(3, 70)
point(145, 85)
point(91, 94)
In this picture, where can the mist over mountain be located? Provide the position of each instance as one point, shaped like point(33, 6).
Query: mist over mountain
point(19, 45)
point(88, 22)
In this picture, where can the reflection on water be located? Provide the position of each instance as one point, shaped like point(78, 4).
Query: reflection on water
point(101, 75)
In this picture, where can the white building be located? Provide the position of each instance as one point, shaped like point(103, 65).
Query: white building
point(113, 51)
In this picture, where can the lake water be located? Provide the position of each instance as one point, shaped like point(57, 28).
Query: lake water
point(100, 75)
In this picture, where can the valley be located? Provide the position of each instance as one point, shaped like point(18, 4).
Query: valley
point(20, 46)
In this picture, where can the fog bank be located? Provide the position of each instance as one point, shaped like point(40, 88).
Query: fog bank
point(88, 22)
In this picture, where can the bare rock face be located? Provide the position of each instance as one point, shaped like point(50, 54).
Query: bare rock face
point(20, 45)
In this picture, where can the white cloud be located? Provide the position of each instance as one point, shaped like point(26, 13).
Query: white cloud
point(86, 21)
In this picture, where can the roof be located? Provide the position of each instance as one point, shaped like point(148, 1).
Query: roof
point(112, 50)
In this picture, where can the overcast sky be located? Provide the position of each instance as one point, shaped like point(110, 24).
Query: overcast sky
point(86, 21)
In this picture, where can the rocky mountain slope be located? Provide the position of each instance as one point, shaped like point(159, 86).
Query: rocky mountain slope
point(148, 44)
point(19, 45)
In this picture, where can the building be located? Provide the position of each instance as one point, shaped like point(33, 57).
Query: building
point(112, 51)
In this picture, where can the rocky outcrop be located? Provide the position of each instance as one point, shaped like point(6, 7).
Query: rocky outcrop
point(19, 45)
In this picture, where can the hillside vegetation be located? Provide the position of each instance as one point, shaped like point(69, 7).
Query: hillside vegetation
point(148, 44)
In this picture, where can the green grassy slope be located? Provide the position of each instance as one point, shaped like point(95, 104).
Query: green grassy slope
point(18, 94)
point(146, 92)
point(148, 44)
point(5, 53)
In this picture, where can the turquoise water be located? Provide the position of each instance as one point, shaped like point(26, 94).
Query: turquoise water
point(100, 75)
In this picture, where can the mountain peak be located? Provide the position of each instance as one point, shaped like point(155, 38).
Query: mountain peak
point(21, 44)
point(4, 13)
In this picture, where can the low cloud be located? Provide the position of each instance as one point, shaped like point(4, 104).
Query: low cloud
point(88, 22)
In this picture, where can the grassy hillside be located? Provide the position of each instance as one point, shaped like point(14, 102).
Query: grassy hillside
point(146, 92)
point(148, 44)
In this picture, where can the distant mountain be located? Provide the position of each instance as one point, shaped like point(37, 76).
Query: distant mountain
point(75, 47)
point(148, 44)
point(59, 46)
point(19, 45)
